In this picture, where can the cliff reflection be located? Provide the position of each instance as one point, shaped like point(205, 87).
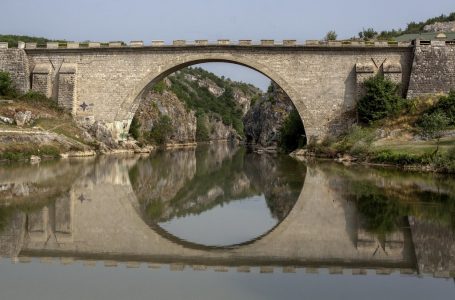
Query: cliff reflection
point(184, 182)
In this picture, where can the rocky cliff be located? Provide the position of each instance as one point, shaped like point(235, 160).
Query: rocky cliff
point(263, 122)
point(200, 106)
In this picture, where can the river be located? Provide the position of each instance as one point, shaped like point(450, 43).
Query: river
point(220, 222)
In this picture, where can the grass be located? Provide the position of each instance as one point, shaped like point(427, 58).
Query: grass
point(67, 128)
point(20, 151)
point(49, 117)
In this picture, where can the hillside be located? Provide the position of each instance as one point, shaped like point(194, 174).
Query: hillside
point(193, 105)
point(431, 24)
point(13, 40)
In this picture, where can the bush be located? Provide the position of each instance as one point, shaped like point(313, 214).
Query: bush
point(202, 132)
point(292, 132)
point(38, 98)
point(432, 124)
point(357, 140)
point(397, 158)
point(134, 128)
point(6, 88)
point(445, 106)
point(159, 87)
point(331, 36)
point(161, 131)
point(381, 100)
point(368, 34)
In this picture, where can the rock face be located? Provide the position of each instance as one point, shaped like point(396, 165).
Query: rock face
point(217, 101)
point(23, 118)
point(168, 104)
point(440, 27)
point(266, 117)
point(218, 131)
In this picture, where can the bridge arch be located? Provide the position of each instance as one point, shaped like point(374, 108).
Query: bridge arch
point(129, 106)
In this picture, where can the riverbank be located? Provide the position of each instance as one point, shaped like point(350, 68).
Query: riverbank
point(399, 148)
point(33, 128)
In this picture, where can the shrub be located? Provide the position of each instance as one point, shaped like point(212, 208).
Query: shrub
point(202, 132)
point(357, 140)
point(161, 131)
point(451, 153)
point(159, 87)
point(292, 132)
point(398, 158)
point(38, 98)
point(446, 106)
point(368, 34)
point(331, 36)
point(381, 100)
point(432, 124)
point(134, 128)
point(5, 84)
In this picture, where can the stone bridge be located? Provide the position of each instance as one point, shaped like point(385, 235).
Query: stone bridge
point(105, 82)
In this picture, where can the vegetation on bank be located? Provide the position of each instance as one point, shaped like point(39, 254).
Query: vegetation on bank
point(385, 197)
point(45, 115)
point(419, 126)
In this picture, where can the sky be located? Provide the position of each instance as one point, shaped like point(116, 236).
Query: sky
point(147, 20)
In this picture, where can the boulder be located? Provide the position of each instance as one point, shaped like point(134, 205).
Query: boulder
point(23, 118)
point(35, 159)
point(6, 120)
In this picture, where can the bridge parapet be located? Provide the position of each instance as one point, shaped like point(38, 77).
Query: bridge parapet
point(225, 42)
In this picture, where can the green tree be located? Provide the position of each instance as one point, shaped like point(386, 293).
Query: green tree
point(202, 132)
point(368, 34)
point(292, 132)
point(5, 84)
point(159, 87)
point(445, 105)
point(134, 128)
point(432, 124)
point(331, 36)
point(381, 99)
point(161, 131)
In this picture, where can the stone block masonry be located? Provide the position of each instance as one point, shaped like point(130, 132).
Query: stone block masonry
point(433, 69)
point(106, 84)
point(15, 62)
point(324, 81)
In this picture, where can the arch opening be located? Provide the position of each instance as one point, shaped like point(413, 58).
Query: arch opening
point(219, 102)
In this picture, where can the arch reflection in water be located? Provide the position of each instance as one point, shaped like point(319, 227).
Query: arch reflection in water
point(97, 216)
point(218, 195)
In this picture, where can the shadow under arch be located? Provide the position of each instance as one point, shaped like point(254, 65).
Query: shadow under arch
point(198, 246)
point(129, 106)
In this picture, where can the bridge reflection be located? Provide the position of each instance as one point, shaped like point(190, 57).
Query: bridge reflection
point(103, 214)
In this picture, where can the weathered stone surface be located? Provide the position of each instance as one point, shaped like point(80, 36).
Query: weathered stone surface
point(6, 120)
point(16, 63)
point(154, 105)
point(433, 70)
point(440, 27)
point(320, 80)
point(435, 246)
point(265, 119)
point(23, 118)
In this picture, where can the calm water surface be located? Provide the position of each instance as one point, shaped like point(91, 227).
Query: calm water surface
point(218, 222)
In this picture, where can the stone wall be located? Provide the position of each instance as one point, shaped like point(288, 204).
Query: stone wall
point(15, 62)
point(433, 69)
